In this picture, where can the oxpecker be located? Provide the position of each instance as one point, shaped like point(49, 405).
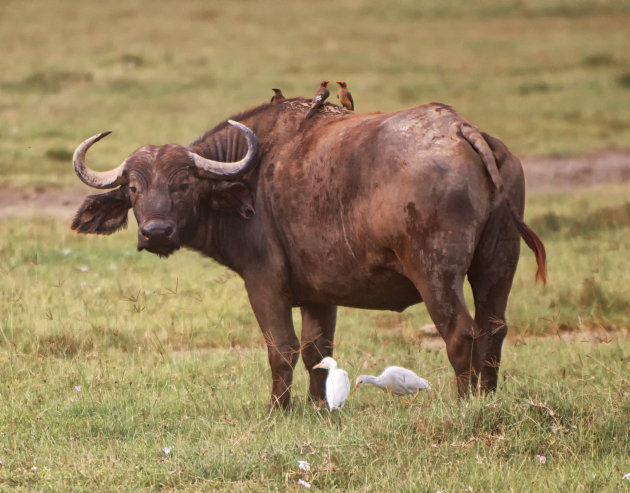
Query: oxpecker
point(318, 99)
point(278, 96)
point(344, 96)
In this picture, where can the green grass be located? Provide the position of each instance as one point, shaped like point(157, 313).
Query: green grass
point(63, 293)
point(210, 409)
point(549, 77)
point(168, 354)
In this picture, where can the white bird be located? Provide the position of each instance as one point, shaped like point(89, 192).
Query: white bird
point(337, 383)
point(395, 380)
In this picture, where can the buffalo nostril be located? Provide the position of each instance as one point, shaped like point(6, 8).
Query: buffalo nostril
point(157, 229)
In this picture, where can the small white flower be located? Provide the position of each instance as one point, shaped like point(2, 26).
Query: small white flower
point(305, 466)
point(626, 476)
point(83, 268)
point(66, 251)
point(541, 458)
point(1, 463)
point(469, 488)
point(34, 468)
point(83, 284)
point(306, 484)
point(167, 450)
point(147, 292)
point(77, 388)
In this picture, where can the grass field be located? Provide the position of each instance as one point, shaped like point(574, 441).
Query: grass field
point(121, 371)
point(110, 356)
point(547, 76)
point(100, 422)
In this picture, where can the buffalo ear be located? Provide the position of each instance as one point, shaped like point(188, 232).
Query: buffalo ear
point(233, 196)
point(102, 214)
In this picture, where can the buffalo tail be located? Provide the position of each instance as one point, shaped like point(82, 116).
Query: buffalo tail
point(477, 141)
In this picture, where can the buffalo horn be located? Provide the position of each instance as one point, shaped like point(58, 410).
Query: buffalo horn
point(96, 179)
point(218, 169)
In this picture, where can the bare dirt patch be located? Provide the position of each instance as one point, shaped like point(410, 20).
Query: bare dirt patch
point(601, 168)
point(432, 341)
point(41, 201)
point(541, 174)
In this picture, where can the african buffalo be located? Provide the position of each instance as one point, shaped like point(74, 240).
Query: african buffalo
point(379, 211)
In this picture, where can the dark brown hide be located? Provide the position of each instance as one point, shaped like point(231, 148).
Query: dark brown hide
point(375, 211)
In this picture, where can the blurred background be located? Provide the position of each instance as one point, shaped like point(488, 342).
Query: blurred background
point(550, 77)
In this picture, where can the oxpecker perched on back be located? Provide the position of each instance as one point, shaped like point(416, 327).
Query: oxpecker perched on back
point(318, 99)
point(278, 96)
point(344, 96)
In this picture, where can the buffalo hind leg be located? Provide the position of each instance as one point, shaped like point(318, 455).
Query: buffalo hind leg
point(318, 332)
point(459, 331)
point(444, 299)
point(490, 277)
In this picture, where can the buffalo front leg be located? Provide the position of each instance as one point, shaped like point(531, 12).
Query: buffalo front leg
point(273, 313)
point(318, 332)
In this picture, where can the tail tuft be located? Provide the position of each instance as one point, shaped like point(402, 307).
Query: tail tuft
point(532, 240)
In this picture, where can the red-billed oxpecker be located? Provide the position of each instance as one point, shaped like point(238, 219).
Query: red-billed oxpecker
point(337, 383)
point(395, 380)
point(277, 96)
point(344, 96)
point(318, 99)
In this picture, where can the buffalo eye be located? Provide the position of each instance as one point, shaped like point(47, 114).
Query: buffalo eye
point(183, 187)
point(132, 188)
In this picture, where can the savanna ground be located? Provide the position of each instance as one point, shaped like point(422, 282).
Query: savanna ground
point(121, 371)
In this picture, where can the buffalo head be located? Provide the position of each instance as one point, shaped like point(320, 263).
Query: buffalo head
point(166, 186)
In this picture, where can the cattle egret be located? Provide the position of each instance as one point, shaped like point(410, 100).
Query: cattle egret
point(395, 380)
point(337, 383)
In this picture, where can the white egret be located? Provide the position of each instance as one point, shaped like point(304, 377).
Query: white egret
point(337, 383)
point(395, 380)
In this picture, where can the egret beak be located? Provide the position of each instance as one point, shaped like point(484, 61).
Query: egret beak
point(318, 365)
point(356, 386)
